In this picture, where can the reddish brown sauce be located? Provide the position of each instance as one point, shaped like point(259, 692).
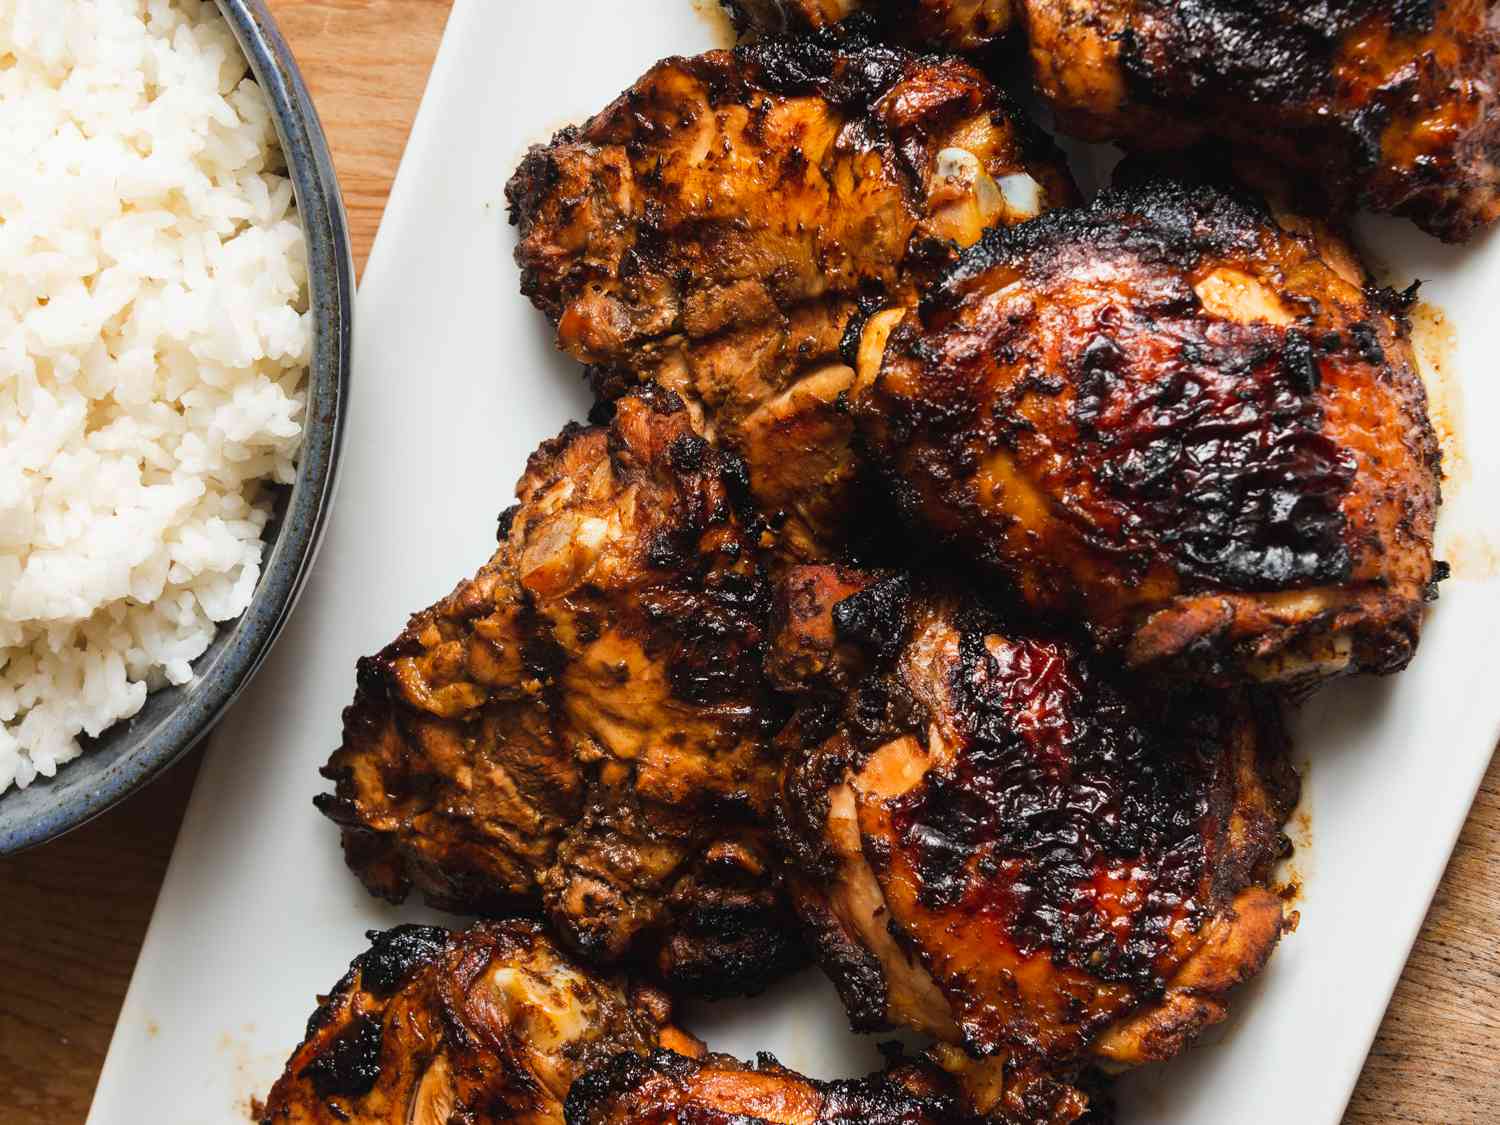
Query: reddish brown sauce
point(1060, 816)
point(1435, 343)
point(1209, 446)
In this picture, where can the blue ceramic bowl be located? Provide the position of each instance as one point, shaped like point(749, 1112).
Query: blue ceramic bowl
point(135, 751)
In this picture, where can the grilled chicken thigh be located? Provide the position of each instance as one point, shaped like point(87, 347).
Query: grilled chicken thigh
point(717, 228)
point(1238, 476)
point(1191, 425)
point(489, 1025)
point(1386, 104)
point(584, 726)
point(996, 845)
point(954, 25)
point(494, 1025)
point(671, 1089)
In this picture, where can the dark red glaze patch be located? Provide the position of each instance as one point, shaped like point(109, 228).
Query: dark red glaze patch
point(1182, 437)
point(1056, 799)
point(1209, 448)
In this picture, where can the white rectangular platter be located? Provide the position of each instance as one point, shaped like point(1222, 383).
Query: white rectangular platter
point(456, 381)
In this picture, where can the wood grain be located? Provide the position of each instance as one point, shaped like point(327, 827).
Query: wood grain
point(76, 910)
point(1436, 1060)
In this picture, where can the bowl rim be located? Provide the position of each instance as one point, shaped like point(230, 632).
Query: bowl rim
point(290, 554)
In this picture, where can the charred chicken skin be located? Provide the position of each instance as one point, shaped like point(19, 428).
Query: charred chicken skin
point(490, 1025)
point(671, 1089)
point(1245, 484)
point(1386, 104)
point(954, 25)
point(494, 1025)
point(583, 727)
point(720, 225)
point(1192, 426)
point(996, 846)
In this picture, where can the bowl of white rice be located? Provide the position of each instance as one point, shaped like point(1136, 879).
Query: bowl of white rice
point(175, 297)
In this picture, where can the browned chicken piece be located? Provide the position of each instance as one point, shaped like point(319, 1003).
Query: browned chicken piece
point(584, 726)
point(717, 228)
point(955, 25)
point(671, 1089)
point(1191, 425)
point(492, 1024)
point(998, 845)
point(1386, 104)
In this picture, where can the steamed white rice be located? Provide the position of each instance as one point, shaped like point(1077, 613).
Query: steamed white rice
point(153, 349)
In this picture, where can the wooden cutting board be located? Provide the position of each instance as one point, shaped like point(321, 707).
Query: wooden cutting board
point(76, 911)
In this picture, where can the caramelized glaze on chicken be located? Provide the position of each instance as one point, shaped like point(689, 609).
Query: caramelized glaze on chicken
point(671, 1089)
point(494, 1025)
point(1246, 483)
point(717, 228)
point(997, 845)
point(954, 25)
point(943, 1087)
point(1170, 416)
point(584, 725)
point(489, 1025)
point(1386, 104)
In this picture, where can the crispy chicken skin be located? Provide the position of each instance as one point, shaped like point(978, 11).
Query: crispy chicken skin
point(998, 845)
point(1191, 426)
point(584, 726)
point(954, 25)
point(1386, 104)
point(670, 1089)
point(941, 1087)
point(490, 1025)
point(717, 228)
point(494, 1025)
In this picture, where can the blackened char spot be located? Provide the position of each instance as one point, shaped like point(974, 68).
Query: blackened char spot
point(1367, 342)
point(734, 474)
point(395, 953)
point(1441, 572)
point(503, 524)
point(879, 1101)
point(842, 64)
point(686, 453)
point(350, 1064)
point(1300, 363)
point(591, 1096)
point(1266, 52)
point(875, 616)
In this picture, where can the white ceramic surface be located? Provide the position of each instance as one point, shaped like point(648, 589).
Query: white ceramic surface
point(456, 381)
